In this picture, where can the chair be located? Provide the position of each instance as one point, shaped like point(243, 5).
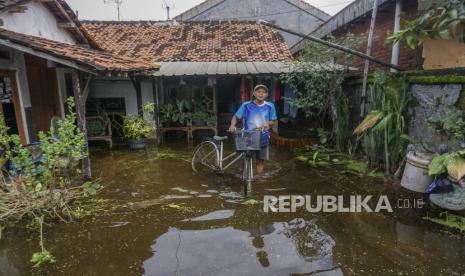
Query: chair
point(99, 129)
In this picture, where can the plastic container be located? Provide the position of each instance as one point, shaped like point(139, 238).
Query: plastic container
point(247, 140)
point(416, 177)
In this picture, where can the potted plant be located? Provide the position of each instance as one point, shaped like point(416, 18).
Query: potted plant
point(136, 129)
point(182, 112)
point(211, 120)
point(168, 114)
point(199, 118)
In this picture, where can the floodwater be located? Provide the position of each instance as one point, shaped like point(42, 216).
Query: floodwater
point(166, 220)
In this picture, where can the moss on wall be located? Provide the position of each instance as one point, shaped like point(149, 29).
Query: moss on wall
point(461, 101)
point(414, 78)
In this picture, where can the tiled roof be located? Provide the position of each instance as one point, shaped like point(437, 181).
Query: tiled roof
point(8, 3)
point(190, 41)
point(63, 14)
point(95, 60)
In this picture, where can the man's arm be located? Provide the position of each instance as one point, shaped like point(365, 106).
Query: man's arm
point(232, 126)
point(236, 117)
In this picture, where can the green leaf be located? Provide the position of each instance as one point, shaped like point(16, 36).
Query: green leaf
point(444, 34)
point(383, 123)
point(453, 13)
point(410, 39)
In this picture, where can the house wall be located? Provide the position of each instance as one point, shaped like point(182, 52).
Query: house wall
point(281, 13)
point(381, 49)
point(121, 88)
point(36, 20)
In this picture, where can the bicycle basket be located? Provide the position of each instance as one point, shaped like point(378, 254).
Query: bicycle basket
point(246, 140)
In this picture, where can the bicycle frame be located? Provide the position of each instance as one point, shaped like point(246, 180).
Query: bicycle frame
point(235, 155)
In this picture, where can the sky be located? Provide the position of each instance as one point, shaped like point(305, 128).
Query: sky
point(153, 9)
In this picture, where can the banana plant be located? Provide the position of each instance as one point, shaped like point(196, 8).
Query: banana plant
point(385, 123)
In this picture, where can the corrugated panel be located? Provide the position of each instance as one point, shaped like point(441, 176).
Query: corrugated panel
point(241, 68)
point(251, 68)
point(185, 68)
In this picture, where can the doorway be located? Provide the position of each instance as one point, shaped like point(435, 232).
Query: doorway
point(10, 106)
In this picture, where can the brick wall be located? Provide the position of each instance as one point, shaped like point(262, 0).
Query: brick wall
point(384, 28)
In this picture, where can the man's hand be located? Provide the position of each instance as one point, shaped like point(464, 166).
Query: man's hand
point(265, 126)
point(232, 128)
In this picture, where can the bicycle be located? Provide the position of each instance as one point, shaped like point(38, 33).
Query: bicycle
point(208, 155)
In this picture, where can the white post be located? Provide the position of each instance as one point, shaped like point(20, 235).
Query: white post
point(396, 46)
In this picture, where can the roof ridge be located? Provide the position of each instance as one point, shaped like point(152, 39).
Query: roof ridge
point(202, 7)
point(168, 22)
point(310, 8)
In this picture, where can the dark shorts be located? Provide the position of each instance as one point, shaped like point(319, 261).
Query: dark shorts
point(264, 153)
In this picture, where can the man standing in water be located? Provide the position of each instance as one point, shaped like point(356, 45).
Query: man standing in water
point(257, 114)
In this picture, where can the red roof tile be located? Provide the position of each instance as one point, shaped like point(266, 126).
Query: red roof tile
point(190, 41)
point(94, 59)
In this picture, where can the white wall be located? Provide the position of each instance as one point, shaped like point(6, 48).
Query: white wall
point(107, 88)
point(37, 20)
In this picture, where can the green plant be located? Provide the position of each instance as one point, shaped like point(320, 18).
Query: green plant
point(44, 190)
point(167, 113)
point(440, 164)
point(135, 127)
point(182, 111)
point(452, 123)
point(200, 116)
point(317, 81)
point(211, 120)
point(40, 258)
point(383, 129)
point(445, 19)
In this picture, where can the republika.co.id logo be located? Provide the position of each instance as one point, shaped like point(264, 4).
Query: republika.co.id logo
point(332, 203)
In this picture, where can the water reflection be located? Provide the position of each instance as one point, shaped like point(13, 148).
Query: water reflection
point(279, 248)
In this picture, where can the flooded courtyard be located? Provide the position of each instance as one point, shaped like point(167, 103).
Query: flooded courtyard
point(156, 217)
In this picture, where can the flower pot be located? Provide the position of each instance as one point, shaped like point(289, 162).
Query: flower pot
point(416, 177)
point(199, 123)
point(136, 144)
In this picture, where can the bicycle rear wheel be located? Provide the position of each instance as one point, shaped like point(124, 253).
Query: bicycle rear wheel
point(206, 157)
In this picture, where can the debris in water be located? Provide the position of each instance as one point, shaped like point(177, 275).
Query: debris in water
point(179, 189)
point(220, 214)
point(251, 202)
point(175, 196)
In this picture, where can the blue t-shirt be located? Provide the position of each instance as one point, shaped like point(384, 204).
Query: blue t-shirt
point(255, 116)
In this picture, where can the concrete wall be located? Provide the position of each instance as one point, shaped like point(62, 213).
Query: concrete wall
point(280, 12)
point(433, 100)
point(428, 100)
point(37, 20)
point(121, 88)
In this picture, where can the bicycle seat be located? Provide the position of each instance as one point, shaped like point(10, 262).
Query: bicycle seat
point(220, 138)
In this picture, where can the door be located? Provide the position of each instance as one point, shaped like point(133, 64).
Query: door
point(43, 89)
point(10, 107)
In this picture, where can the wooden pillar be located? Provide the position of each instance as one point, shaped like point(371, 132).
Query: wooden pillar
point(367, 62)
point(138, 87)
point(215, 104)
point(156, 100)
point(80, 100)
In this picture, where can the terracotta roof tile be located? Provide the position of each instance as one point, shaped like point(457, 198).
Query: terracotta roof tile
point(8, 3)
point(95, 59)
point(190, 41)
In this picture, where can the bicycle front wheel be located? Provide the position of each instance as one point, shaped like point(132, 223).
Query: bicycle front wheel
point(206, 158)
